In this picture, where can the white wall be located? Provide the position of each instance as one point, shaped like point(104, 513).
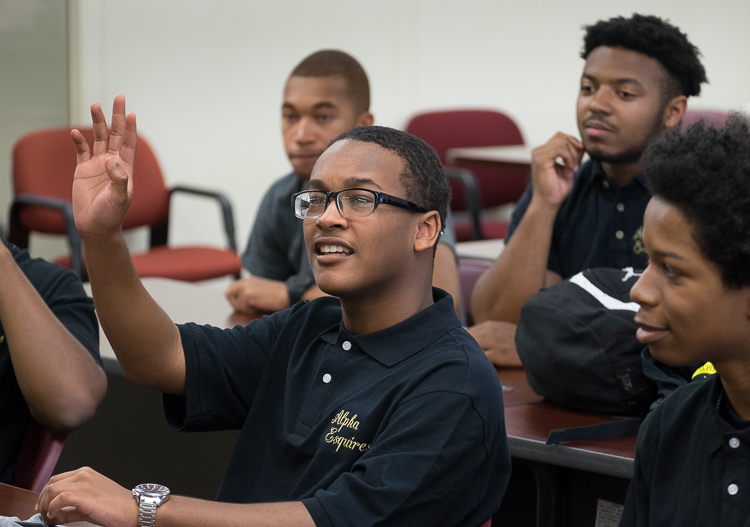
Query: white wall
point(205, 78)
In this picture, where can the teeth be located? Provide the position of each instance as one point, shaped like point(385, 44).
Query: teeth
point(326, 249)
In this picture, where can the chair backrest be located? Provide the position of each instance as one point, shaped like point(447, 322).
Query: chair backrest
point(40, 450)
point(44, 162)
point(469, 271)
point(475, 127)
point(715, 118)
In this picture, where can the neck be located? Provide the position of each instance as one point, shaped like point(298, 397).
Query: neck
point(364, 316)
point(622, 173)
point(736, 381)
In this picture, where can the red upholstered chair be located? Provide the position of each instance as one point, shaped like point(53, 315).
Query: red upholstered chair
point(43, 165)
point(716, 118)
point(497, 185)
point(469, 271)
point(488, 523)
point(40, 450)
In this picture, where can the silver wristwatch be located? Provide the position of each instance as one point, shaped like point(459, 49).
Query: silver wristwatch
point(149, 496)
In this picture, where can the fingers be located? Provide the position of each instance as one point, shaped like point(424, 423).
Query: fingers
point(118, 124)
point(82, 147)
point(99, 124)
point(120, 139)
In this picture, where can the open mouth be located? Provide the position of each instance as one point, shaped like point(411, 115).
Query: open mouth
point(333, 249)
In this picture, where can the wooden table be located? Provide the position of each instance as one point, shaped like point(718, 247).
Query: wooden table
point(482, 249)
point(20, 503)
point(509, 155)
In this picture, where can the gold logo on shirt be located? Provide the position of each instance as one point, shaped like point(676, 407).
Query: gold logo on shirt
point(336, 437)
point(638, 241)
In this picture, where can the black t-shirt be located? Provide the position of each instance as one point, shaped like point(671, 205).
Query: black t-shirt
point(64, 294)
point(401, 427)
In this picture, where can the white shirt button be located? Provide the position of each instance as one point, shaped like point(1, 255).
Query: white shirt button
point(620, 207)
point(733, 489)
point(346, 345)
point(619, 235)
point(605, 184)
point(327, 378)
point(734, 442)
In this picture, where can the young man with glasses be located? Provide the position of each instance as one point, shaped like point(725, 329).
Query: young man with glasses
point(326, 94)
point(375, 407)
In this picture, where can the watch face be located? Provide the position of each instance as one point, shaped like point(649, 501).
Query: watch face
point(152, 489)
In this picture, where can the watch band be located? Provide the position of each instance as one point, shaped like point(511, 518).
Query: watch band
point(146, 512)
point(149, 497)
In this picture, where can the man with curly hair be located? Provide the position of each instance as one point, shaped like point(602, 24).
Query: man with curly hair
point(693, 449)
point(576, 215)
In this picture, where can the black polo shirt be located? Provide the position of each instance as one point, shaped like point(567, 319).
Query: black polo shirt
point(600, 224)
point(691, 464)
point(401, 427)
point(64, 295)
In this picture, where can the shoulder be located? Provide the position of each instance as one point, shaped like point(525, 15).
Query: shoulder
point(285, 186)
point(47, 278)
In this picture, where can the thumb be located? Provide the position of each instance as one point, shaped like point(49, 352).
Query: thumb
point(119, 178)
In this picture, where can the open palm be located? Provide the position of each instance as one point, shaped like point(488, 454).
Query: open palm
point(103, 181)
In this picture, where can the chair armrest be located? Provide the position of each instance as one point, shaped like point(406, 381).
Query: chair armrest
point(65, 208)
point(226, 209)
point(471, 194)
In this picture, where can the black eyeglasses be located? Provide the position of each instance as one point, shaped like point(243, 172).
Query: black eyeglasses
point(350, 202)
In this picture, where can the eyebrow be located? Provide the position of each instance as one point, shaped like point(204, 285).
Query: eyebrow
point(623, 80)
point(667, 254)
point(323, 105)
point(350, 182)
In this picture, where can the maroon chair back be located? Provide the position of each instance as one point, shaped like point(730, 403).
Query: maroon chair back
point(40, 450)
point(464, 128)
point(44, 162)
point(469, 271)
point(715, 118)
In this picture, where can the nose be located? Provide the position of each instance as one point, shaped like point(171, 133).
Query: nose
point(644, 292)
point(331, 216)
point(304, 132)
point(601, 101)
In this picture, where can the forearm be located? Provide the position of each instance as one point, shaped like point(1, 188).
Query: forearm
point(59, 379)
point(144, 338)
point(519, 272)
point(181, 511)
point(445, 274)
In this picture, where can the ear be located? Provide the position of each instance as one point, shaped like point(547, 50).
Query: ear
point(428, 231)
point(674, 111)
point(365, 119)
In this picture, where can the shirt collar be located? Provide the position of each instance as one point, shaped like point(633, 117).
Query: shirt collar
point(598, 175)
point(716, 441)
point(397, 343)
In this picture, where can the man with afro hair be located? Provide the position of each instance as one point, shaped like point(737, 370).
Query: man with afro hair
point(694, 296)
point(576, 215)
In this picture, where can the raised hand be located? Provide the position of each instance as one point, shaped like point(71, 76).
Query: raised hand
point(103, 181)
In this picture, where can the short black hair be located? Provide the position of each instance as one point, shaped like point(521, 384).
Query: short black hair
point(705, 173)
point(655, 38)
point(335, 63)
point(423, 176)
